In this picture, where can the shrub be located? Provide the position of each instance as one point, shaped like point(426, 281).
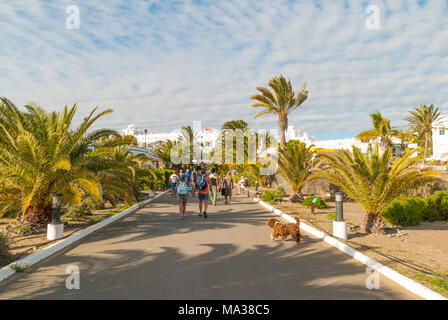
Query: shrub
point(319, 204)
point(4, 250)
point(405, 211)
point(436, 207)
point(272, 196)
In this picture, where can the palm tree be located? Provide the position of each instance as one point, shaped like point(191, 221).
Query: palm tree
point(296, 162)
point(231, 127)
point(38, 152)
point(422, 120)
point(281, 101)
point(188, 139)
point(381, 129)
point(164, 152)
point(373, 180)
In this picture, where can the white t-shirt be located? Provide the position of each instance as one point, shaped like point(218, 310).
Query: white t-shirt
point(174, 178)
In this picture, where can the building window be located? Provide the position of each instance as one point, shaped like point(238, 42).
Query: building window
point(442, 132)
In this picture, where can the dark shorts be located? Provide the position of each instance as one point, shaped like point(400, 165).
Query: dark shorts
point(182, 198)
point(203, 196)
point(173, 186)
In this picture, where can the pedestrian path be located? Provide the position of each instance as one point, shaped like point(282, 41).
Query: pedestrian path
point(153, 255)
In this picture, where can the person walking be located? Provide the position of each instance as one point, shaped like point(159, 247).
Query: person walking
point(173, 181)
point(188, 176)
point(227, 187)
point(182, 195)
point(214, 183)
point(203, 186)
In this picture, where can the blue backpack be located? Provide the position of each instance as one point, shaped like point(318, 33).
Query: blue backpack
point(201, 184)
point(182, 188)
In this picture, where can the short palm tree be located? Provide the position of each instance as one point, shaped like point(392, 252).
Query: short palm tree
point(296, 162)
point(38, 156)
point(381, 129)
point(373, 180)
point(422, 121)
point(281, 101)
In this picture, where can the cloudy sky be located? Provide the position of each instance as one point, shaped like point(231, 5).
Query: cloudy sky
point(163, 64)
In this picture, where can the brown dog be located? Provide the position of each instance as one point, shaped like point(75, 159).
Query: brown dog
point(285, 229)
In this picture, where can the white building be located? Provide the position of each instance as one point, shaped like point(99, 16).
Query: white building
point(208, 137)
point(292, 134)
point(145, 139)
point(440, 142)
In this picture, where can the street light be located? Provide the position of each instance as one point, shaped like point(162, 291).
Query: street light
point(339, 225)
point(56, 218)
point(55, 229)
point(146, 131)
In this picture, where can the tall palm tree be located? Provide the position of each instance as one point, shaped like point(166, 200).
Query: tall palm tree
point(38, 155)
point(189, 139)
point(296, 162)
point(373, 180)
point(281, 101)
point(422, 120)
point(381, 129)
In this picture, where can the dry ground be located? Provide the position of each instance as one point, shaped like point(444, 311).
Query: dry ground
point(22, 242)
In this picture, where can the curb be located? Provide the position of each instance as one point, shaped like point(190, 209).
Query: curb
point(44, 253)
point(411, 285)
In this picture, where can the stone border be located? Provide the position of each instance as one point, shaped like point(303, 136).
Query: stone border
point(409, 284)
point(44, 253)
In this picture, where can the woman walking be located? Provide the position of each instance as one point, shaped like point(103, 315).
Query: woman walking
point(214, 183)
point(182, 194)
point(227, 187)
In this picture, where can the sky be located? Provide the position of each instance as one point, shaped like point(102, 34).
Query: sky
point(164, 64)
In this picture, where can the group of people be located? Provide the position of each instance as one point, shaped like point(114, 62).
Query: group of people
point(206, 185)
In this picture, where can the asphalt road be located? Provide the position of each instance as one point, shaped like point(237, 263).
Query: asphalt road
point(153, 255)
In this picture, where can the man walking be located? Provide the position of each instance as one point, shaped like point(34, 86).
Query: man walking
point(173, 180)
point(203, 186)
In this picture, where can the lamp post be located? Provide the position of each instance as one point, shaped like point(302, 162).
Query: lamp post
point(56, 217)
point(339, 225)
point(55, 229)
point(146, 131)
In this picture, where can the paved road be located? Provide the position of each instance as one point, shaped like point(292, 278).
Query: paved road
point(153, 255)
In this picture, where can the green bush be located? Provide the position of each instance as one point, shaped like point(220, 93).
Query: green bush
point(4, 250)
point(272, 196)
point(436, 207)
point(319, 204)
point(405, 211)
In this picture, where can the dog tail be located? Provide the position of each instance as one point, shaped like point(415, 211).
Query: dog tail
point(297, 220)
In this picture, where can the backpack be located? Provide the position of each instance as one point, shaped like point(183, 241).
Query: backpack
point(182, 188)
point(245, 182)
point(174, 179)
point(202, 183)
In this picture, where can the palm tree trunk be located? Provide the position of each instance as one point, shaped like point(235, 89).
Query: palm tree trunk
point(282, 125)
point(373, 223)
point(426, 143)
